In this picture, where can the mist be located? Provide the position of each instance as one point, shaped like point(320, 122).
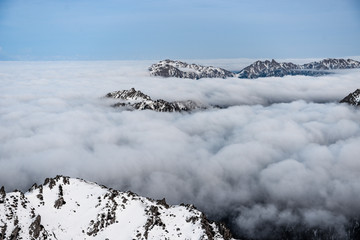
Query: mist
point(282, 151)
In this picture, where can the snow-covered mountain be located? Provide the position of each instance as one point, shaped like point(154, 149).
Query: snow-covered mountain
point(332, 63)
point(352, 98)
point(275, 69)
point(171, 68)
point(69, 208)
point(133, 99)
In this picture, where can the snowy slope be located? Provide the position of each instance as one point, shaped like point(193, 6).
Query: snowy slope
point(68, 208)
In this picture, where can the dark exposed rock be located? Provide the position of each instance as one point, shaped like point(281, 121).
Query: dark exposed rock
point(224, 231)
point(35, 227)
point(206, 225)
point(3, 232)
point(15, 233)
point(163, 203)
point(50, 181)
point(59, 202)
point(153, 220)
point(2, 194)
point(352, 98)
point(170, 68)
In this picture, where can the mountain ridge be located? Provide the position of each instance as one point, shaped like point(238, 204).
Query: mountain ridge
point(133, 99)
point(174, 68)
point(72, 208)
point(267, 68)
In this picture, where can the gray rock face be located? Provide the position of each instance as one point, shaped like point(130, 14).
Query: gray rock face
point(171, 68)
point(274, 69)
point(136, 100)
point(352, 98)
point(96, 212)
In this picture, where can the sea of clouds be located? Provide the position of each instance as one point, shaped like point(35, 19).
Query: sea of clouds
point(283, 150)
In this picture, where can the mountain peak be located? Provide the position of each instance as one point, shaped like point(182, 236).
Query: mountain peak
point(352, 98)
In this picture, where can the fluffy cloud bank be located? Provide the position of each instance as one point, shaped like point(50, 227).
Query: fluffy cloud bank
point(284, 151)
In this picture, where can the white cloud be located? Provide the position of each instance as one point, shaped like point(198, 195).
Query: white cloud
point(262, 160)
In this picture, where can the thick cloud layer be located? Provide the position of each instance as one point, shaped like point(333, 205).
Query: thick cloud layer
point(284, 151)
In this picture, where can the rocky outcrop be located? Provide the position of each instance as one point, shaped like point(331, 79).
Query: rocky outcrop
point(352, 98)
point(171, 68)
point(136, 100)
point(96, 212)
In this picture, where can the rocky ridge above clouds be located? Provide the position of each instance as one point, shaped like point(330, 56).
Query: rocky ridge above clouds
point(275, 69)
point(171, 68)
point(136, 100)
point(352, 98)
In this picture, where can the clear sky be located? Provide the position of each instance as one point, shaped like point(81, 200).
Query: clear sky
point(182, 29)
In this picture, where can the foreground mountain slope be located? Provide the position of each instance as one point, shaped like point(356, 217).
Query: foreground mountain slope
point(136, 100)
point(171, 68)
point(68, 208)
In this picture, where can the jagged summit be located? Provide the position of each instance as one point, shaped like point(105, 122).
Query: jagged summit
point(136, 100)
point(69, 208)
point(275, 69)
point(269, 69)
point(171, 68)
point(352, 98)
point(130, 94)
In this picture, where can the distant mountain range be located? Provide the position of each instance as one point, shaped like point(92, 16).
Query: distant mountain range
point(68, 208)
point(136, 100)
point(170, 68)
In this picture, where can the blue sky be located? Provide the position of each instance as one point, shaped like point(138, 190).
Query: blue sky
point(183, 29)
